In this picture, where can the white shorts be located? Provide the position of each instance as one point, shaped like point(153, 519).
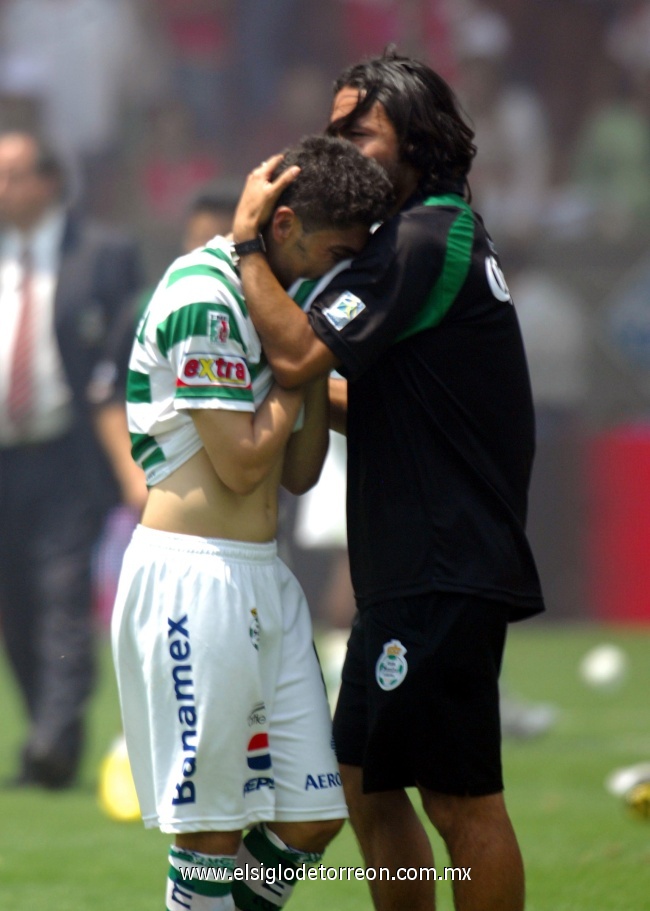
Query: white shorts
point(224, 708)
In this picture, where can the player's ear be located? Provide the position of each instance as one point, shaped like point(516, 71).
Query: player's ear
point(284, 224)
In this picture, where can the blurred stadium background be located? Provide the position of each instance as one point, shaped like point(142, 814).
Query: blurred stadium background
point(150, 100)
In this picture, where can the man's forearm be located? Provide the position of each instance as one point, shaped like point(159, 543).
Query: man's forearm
point(293, 349)
point(338, 405)
point(307, 448)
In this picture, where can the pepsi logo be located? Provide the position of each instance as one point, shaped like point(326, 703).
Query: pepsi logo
point(258, 755)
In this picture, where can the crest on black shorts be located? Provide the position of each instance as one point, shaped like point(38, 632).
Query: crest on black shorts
point(391, 667)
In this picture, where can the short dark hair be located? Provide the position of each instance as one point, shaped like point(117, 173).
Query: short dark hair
point(337, 186)
point(432, 133)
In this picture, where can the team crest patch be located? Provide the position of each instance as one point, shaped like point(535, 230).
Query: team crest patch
point(344, 309)
point(496, 280)
point(391, 667)
point(218, 327)
point(254, 629)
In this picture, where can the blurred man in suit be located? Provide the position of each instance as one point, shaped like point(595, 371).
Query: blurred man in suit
point(64, 447)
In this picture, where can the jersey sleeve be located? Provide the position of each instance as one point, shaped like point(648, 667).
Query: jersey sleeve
point(207, 345)
point(365, 308)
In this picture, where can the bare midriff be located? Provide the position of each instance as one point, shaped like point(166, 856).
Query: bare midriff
point(194, 501)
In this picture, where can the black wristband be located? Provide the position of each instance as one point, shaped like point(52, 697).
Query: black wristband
point(247, 246)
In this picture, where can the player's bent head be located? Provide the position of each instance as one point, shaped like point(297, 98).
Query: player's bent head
point(433, 135)
point(337, 186)
point(325, 215)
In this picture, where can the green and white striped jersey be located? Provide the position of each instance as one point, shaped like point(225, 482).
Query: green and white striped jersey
point(195, 347)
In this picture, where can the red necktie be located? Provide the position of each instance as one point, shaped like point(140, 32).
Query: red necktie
point(21, 383)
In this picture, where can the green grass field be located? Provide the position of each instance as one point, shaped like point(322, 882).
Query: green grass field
point(583, 851)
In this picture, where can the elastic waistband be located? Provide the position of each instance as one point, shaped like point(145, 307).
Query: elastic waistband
point(248, 551)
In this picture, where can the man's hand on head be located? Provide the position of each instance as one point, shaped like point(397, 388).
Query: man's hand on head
point(259, 198)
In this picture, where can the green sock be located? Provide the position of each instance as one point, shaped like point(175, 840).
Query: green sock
point(271, 871)
point(199, 882)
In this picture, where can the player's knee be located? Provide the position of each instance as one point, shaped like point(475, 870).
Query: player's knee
point(446, 811)
point(327, 830)
point(316, 835)
point(312, 836)
point(209, 842)
point(452, 814)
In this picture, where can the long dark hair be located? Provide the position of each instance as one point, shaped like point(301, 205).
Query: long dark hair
point(432, 133)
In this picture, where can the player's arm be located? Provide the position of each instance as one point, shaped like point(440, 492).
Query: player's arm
point(243, 447)
point(113, 434)
point(293, 349)
point(338, 404)
point(105, 394)
point(307, 448)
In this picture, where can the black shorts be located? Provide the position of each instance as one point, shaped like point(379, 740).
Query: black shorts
point(419, 700)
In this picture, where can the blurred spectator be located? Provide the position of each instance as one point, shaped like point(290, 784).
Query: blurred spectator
point(198, 36)
point(611, 160)
point(262, 33)
point(510, 174)
point(172, 164)
point(303, 94)
point(82, 61)
point(626, 329)
point(556, 336)
point(369, 25)
point(210, 213)
point(555, 49)
point(628, 38)
point(64, 446)
point(175, 163)
point(421, 28)
point(276, 46)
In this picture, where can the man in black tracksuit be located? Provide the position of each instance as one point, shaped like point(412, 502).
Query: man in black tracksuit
point(439, 419)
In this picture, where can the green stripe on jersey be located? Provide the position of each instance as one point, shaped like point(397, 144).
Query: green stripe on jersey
point(204, 270)
point(145, 450)
point(138, 387)
point(219, 254)
point(192, 319)
point(458, 257)
point(241, 394)
point(301, 294)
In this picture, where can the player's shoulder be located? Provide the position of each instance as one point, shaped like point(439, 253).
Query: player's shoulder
point(203, 275)
point(421, 226)
point(211, 262)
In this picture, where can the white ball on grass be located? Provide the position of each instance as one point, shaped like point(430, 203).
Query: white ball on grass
point(604, 667)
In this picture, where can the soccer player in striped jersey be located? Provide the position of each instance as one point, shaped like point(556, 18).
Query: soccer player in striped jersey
point(224, 709)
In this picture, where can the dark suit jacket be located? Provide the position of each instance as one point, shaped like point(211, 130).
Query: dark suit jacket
point(100, 274)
